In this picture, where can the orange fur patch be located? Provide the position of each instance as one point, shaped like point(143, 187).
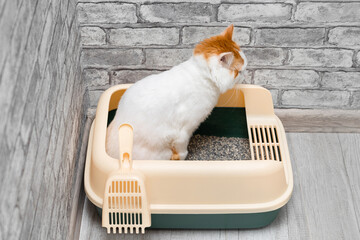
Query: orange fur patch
point(216, 45)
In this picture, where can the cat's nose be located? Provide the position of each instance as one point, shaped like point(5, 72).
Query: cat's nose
point(242, 54)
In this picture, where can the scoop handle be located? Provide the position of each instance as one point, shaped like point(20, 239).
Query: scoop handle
point(126, 138)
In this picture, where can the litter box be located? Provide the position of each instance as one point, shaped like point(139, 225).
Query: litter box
point(217, 194)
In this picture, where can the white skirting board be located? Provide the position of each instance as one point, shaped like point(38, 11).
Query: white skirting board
point(320, 120)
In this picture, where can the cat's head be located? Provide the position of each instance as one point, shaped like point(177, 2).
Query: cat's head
point(223, 57)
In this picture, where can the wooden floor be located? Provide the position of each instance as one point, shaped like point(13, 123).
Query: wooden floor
point(325, 203)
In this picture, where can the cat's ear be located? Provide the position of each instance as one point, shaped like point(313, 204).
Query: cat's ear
point(226, 59)
point(228, 32)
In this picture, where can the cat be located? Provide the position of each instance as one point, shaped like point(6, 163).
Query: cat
point(165, 109)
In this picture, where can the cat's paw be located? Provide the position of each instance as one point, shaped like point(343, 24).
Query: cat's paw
point(175, 155)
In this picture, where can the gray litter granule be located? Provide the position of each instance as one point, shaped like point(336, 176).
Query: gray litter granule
point(218, 148)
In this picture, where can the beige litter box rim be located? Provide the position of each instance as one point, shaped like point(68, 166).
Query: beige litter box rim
point(272, 195)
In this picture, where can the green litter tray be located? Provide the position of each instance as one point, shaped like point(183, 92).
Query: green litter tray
point(220, 123)
point(210, 221)
point(190, 194)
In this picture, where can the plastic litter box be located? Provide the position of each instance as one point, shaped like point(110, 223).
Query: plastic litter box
point(197, 194)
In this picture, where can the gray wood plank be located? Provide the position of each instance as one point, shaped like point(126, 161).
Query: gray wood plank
point(91, 229)
point(195, 234)
point(350, 145)
point(321, 206)
point(276, 230)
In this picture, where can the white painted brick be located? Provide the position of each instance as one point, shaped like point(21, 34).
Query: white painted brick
point(94, 96)
point(265, 56)
point(166, 57)
point(19, 99)
point(179, 12)
point(274, 95)
point(254, 12)
point(92, 36)
point(10, 181)
point(143, 36)
point(42, 57)
point(30, 105)
point(130, 76)
point(328, 12)
point(341, 80)
point(256, 1)
point(95, 77)
point(63, 45)
point(193, 35)
point(356, 100)
point(345, 36)
point(246, 77)
point(286, 78)
point(163, 1)
point(90, 113)
point(111, 57)
point(106, 13)
point(290, 36)
point(46, 39)
point(28, 168)
point(315, 98)
point(321, 57)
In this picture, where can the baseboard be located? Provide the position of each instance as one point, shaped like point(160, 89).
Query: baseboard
point(320, 120)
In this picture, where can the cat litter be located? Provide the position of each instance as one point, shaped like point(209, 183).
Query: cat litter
point(216, 194)
point(218, 148)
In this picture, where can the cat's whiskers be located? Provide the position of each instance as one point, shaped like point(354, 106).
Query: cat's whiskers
point(227, 101)
point(237, 93)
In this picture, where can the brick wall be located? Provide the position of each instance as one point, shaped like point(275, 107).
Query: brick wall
point(305, 52)
point(41, 117)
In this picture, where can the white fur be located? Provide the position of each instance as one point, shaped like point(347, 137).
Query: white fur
point(242, 54)
point(165, 109)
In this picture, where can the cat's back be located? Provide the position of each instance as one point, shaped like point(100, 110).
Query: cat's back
point(155, 92)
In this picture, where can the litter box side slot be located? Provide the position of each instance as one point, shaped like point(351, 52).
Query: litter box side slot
point(267, 136)
point(261, 123)
point(268, 142)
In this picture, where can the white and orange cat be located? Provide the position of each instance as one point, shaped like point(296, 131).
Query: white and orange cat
point(165, 109)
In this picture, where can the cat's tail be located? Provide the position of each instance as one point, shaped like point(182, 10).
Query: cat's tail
point(112, 141)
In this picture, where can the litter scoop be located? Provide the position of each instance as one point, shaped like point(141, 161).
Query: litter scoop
point(125, 207)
